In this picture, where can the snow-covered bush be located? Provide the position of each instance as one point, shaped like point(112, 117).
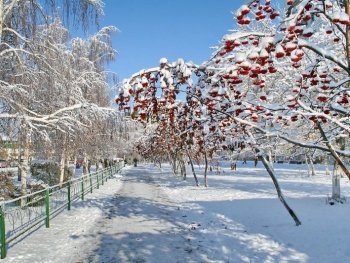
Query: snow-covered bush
point(48, 173)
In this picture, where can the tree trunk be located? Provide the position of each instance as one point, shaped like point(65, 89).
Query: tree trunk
point(338, 163)
point(1, 19)
point(85, 166)
point(347, 35)
point(97, 162)
point(278, 189)
point(205, 169)
point(310, 165)
point(337, 173)
point(24, 165)
point(336, 183)
point(192, 167)
point(313, 173)
point(270, 158)
point(63, 161)
point(182, 168)
point(62, 166)
point(173, 161)
point(326, 163)
point(333, 152)
point(75, 166)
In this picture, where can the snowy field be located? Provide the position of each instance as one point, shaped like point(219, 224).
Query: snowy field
point(240, 214)
point(238, 218)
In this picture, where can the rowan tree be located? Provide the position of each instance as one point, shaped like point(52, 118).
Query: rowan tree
point(277, 75)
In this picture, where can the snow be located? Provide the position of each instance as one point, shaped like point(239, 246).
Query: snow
point(146, 214)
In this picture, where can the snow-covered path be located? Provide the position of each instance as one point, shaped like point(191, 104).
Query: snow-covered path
point(139, 225)
point(128, 219)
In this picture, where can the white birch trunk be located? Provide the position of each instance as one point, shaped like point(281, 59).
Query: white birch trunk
point(24, 165)
point(85, 166)
point(270, 158)
point(337, 172)
point(326, 164)
point(74, 166)
point(336, 182)
point(313, 173)
point(308, 165)
point(62, 165)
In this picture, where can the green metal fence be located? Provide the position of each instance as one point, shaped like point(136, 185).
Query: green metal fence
point(25, 214)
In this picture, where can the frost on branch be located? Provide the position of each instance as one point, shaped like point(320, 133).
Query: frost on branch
point(154, 91)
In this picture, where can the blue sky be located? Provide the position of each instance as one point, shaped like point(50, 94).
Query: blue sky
point(152, 29)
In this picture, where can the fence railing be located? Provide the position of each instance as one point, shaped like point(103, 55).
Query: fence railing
point(25, 214)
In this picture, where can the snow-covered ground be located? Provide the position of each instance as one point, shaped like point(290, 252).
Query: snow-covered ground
point(238, 218)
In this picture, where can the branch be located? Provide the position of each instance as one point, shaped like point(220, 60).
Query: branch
point(324, 54)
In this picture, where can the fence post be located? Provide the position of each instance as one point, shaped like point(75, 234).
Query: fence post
point(68, 197)
point(102, 177)
point(98, 183)
point(47, 208)
point(82, 188)
point(2, 234)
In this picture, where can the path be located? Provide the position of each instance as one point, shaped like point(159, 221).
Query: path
point(128, 220)
point(140, 225)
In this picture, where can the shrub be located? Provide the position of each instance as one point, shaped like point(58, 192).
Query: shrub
point(7, 188)
point(49, 173)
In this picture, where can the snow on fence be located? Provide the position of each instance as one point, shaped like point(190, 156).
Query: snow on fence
point(25, 214)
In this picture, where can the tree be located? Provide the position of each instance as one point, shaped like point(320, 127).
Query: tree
point(319, 29)
point(304, 56)
point(34, 70)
